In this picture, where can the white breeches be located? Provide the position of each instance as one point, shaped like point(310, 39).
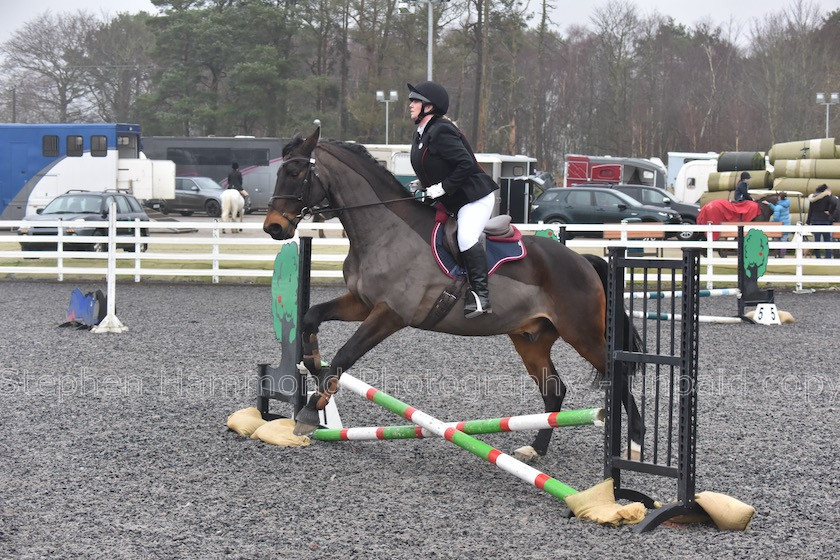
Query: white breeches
point(472, 218)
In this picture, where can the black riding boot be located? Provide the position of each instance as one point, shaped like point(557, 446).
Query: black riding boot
point(478, 296)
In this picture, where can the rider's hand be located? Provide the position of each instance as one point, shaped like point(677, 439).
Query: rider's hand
point(435, 191)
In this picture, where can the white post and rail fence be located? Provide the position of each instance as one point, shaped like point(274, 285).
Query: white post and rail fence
point(200, 251)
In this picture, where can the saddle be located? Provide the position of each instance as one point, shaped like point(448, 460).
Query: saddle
point(502, 241)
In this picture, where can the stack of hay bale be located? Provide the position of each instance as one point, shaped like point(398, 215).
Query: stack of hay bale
point(805, 165)
point(730, 165)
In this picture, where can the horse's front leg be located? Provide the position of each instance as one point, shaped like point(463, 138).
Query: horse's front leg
point(380, 323)
point(346, 307)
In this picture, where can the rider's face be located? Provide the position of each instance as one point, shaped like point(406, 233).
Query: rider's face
point(415, 106)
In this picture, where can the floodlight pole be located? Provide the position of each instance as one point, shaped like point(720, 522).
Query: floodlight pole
point(828, 100)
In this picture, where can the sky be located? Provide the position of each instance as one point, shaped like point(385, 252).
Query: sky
point(17, 12)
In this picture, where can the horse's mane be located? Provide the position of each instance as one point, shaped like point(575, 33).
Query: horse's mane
point(362, 162)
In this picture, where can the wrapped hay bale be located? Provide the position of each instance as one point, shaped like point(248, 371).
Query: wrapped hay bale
point(707, 197)
point(799, 168)
point(803, 185)
point(791, 184)
point(819, 148)
point(740, 161)
point(726, 181)
point(808, 168)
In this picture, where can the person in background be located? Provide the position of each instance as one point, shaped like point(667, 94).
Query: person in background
point(835, 219)
point(781, 213)
point(234, 181)
point(821, 208)
point(449, 173)
point(742, 188)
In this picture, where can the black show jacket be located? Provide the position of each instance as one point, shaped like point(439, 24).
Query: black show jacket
point(443, 155)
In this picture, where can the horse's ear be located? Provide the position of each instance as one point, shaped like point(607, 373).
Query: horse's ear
point(311, 141)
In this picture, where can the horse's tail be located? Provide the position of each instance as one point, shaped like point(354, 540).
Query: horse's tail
point(632, 339)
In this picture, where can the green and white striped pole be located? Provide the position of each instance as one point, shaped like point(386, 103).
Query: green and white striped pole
point(459, 438)
point(586, 417)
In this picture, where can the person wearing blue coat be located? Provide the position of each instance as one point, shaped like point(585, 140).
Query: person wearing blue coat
point(781, 213)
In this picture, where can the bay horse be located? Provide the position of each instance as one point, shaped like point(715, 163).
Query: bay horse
point(393, 280)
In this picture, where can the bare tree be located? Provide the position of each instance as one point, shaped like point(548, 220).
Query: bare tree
point(45, 58)
point(617, 24)
point(785, 70)
point(117, 65)
point(539, 92)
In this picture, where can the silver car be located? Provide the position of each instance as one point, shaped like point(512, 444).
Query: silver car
point(192, 194)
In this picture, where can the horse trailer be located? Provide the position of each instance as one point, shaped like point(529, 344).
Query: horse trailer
point(38, 162)
point(513, 173)
point(580, 170)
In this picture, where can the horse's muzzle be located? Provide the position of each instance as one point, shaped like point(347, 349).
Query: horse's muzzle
point(274, 227)
point(275, 231)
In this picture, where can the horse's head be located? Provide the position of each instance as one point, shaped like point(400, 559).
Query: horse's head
point(766, 211)
point(297, 189)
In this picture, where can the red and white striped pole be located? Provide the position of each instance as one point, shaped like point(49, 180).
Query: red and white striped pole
point(549, 420)
point(459, 438)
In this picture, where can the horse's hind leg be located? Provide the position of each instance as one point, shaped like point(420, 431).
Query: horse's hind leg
point(535, 351)
point(634, 419)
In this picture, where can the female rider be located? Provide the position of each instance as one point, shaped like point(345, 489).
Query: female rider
point(447, 169)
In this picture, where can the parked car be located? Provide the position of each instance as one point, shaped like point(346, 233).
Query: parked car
point(595, 205)
point(193, 194)
point(76, 208)
point(654, 196)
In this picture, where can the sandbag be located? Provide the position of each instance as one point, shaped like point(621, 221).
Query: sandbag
point(819, 148)
point(740, 161)
point(728, 513)
point(598, 504)
point(246, 421)
point(279, 432)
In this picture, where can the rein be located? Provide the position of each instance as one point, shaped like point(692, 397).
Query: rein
point(313, 210)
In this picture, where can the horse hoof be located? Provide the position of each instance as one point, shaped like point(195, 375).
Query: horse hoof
point(635, 451)
point(302, 429)
point(526, 454)
point(306, 421)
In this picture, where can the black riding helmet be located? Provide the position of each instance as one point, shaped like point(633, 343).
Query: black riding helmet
point(430, 92)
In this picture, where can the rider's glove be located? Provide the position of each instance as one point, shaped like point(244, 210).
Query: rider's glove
point(435, 191)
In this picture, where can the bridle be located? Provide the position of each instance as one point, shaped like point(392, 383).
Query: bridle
point(306, 210)
point(312, 209)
